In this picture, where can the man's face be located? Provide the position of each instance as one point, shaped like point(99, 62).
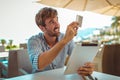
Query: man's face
point(52, 27)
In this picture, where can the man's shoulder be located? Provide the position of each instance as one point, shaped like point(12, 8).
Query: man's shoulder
point(37, 36)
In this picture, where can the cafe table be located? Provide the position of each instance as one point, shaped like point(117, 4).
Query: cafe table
point(4, 54)
point(58, 74)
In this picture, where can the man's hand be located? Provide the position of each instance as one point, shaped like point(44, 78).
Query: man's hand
point(71, 31)
point(86, 70)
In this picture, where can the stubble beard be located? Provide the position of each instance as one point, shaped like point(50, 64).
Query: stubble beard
point(55, 34)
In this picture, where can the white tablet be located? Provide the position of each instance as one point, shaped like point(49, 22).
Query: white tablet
point(80, 55)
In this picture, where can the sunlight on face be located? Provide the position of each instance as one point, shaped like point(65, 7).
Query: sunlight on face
point(52, 27)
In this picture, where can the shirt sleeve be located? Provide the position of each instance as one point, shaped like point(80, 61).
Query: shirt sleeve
point(70, 47)
point(34, 50)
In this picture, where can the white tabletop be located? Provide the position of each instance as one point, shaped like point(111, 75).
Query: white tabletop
point(4, 54)
point(58, 74)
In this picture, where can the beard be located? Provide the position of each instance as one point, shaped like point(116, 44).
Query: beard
point(55, 34)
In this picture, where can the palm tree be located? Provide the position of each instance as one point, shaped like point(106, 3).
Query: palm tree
point(10, 43)
point(116, 25)
point(3, 42)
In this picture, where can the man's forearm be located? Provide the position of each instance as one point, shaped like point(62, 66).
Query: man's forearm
point(47, 57)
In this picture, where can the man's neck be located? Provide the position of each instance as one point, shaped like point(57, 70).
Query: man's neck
point(51, 41)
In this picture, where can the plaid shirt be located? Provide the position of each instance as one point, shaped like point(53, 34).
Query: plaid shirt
point(37, 44)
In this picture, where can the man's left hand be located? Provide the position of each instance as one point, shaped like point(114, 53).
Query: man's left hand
point(86, 70)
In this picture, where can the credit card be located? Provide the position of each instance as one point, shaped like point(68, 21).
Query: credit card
point(79, 19)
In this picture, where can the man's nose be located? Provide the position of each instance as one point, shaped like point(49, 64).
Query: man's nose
point(56, 22)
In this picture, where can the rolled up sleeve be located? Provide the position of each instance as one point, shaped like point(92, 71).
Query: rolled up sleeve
point(34, 51)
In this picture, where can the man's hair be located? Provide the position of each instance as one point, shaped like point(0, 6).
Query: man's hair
point(44, 14)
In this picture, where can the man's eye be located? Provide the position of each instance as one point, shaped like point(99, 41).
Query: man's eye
point(51, 21)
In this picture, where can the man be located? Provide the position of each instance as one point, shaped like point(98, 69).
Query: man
point(48, 50)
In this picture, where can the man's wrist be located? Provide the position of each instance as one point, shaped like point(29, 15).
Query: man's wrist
point(64, 42)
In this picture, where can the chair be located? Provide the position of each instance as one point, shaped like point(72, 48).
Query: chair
point(18, 63)
point(23, 45)
point(2, 48)
point(111, 59)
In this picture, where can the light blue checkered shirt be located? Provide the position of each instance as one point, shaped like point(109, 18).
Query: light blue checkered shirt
point(37, 45)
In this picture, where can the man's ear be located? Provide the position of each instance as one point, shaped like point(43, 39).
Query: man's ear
point(42, 27)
